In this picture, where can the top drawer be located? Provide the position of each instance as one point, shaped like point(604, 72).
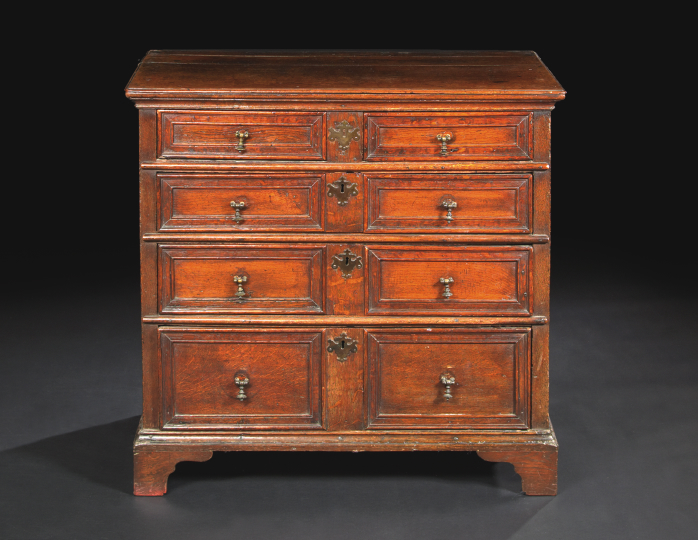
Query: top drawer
point(448, 137)
point(234, 135)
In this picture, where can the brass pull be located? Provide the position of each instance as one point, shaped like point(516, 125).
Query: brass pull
point(443, 138)
point(448, 380)
point(447, 286)
point(241, 135)
point(242, 381)
point(239, 280)
point(449, 205)
point(238, 206)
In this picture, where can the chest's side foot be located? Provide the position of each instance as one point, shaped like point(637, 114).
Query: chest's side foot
point(537, 467)
point(151, 468)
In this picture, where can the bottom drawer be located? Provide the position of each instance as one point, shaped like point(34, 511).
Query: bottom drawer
point(246, 379)
point(448, 378)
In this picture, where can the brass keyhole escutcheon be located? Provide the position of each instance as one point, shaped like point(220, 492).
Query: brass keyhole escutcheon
point(346, 262)
point(342, 190)
point(342, 346)
point(343, 132)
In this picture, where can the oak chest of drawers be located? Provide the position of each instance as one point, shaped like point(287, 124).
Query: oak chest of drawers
point(345, 251)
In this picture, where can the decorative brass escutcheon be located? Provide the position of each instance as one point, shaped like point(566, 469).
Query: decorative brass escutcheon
point(346, 262)
point(443, 138)
point(342, 346)
point(447, 288)
point(449, 204)
point(241, 135)
point(448, 380)
point(241, 380)
point(239, 280)
point(343, 132)
point(238, 206)
point(342, 190)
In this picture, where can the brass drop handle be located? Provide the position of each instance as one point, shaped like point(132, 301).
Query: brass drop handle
point(449, 204)
point(239, 280)
point(448, 380)
point(447, 286)
point(241, 135)
point(242, 381)
point(238, 206)
point(443, 138)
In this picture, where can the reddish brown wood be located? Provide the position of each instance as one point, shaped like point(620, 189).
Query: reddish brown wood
point(344, 383)
point(151, 469)
point(211, 134)
point(345, 289)
point(490, 368)
point(347, 217)
point(279, 279)
point(200, 366)
point(486, 280)
point(351, 151)
point(485, 203)
point(537, 467)
point(492, 334)
point(413, 137)
point(282, 202)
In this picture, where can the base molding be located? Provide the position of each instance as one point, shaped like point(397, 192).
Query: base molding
point(532, 452)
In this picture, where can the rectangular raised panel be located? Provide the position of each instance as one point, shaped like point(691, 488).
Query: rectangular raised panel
point(211, 134)
point(486, 280)
point(280, 202)
point(199, 367)
point(412, 136)
point(280, 279)
point(485, 203)
point(490, 367)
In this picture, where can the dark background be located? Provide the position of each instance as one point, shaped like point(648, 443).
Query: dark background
point(624, 381)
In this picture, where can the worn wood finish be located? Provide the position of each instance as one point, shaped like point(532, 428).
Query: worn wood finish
point(200, 366)
point(278, 279)
point(490, 369)
point(151, 469)
point(341, 327)
point(280, 202)
point(349, 216)
point(413, 137)
point(486, 280)
point(537, 467)
point(194, 134)
point(485, 203)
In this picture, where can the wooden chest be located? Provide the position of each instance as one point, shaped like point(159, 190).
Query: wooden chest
point(345, 251)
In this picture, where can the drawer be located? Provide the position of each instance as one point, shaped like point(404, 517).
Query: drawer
point(442, 203)
point(476, 280)
point(240, 379)
point(487, 372)
point(212, 134)
point(241, 279)
point(413, 137)
point(282, 202)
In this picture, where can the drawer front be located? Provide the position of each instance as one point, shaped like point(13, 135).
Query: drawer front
point(486, 372)
point(241, 379)
point(241, 279)
point(442, 203)
point(211, 134)
point(484, 280)
point(413, 137)
point(213, 203)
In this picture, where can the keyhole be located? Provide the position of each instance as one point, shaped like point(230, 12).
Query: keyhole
point(341, 187)
point(346, 261)
point(342, 344)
